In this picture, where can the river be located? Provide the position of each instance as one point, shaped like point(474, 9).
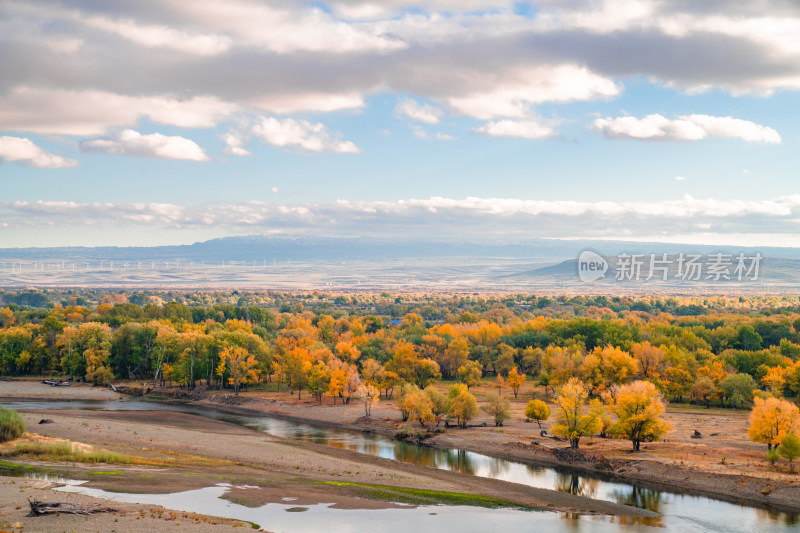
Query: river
point(679, 512)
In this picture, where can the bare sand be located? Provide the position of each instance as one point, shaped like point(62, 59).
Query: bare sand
point(723, 464)
point(178, 451)
point(36, 390)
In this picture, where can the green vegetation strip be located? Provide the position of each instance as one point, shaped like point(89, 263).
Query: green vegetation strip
point(425, 496)
point(65, 451)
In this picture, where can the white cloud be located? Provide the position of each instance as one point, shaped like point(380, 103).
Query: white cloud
point(438, 136)
point(274, 189)
point(157, 36)
point(130, 142)
point(527, 129)
point(467, 217)
point(413, 110)
point(26, 152)
point(680, 178)
point(308, 136)
point(286, 31)
point(656, 127)
point(234, 144)
point(308, 102)
point(513, 93)
point(90, 112)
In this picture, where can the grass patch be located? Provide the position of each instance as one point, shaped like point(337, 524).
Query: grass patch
point(425, 496)
point(65, 451)
point(20, 468)
point(114, 473)
point(11, 425)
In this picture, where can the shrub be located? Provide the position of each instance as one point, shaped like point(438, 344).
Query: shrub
point(11, 425)
point(498, 408)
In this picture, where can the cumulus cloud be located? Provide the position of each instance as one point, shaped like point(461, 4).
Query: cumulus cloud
point(26, 152)
point(301, 134)
point(234, 144)
point(526, 129)
point(413, 110)
point(90, 112)
point(656, 127)
point(157, 36)
point(284, 31)
point(308, 102)
point(515, 93)
point(131, 142)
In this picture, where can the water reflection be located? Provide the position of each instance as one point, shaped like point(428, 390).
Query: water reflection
point(639, 497)
point(577, 485)
point(680, 512)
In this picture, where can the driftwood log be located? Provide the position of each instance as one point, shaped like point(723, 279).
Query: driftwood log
point(39, 508)
point(56, 382)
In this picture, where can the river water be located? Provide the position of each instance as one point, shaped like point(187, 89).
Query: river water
point(678, 512)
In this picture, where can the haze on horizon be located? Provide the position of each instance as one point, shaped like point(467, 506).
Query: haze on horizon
point(170, 122)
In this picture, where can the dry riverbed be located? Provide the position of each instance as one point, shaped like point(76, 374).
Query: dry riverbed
point(173, 452)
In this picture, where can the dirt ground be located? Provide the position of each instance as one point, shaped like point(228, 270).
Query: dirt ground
point(722, 463)
point(36, 390)
point(177, 451)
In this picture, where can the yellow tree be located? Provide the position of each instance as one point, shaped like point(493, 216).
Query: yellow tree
point(649, 359)
point(372, 372)
point(470, 374)
point(537, 410)
point(370, 394)
point(96, 338)
point(607, 366)
point(240, 366)
point(515, 380)
point(463, 405)
point(770, 419)
point(418, 406)
point(578, 415)
point(455, 355)
point(775, 379)
point(347, 351)
point(639, 408)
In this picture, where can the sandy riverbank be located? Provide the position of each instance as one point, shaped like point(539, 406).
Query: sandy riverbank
point(723, 464)
point(187, 451)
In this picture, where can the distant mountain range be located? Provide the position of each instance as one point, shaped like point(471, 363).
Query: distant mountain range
point(352, 263)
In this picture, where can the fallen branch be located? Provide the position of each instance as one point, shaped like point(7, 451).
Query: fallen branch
point(39, 508)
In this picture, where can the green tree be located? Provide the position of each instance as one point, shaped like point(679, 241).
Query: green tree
point(738, 388)
point(499, 408)
point(790, 448)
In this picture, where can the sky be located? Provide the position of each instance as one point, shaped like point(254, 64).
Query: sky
point(155, 122)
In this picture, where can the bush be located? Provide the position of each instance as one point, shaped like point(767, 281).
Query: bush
point(499, 408)
point(11, 425)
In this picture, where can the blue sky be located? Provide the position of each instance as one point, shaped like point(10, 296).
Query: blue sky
point(166, 122)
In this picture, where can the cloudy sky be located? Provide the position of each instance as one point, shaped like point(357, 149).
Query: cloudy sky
point(170, 121)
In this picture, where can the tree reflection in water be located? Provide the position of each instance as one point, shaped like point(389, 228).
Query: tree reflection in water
point(497, 467)
point(575, 484)
point(768, 515)
point(460, 461)
point(639, 497)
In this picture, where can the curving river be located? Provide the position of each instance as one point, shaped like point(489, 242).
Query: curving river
point(679, 512)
